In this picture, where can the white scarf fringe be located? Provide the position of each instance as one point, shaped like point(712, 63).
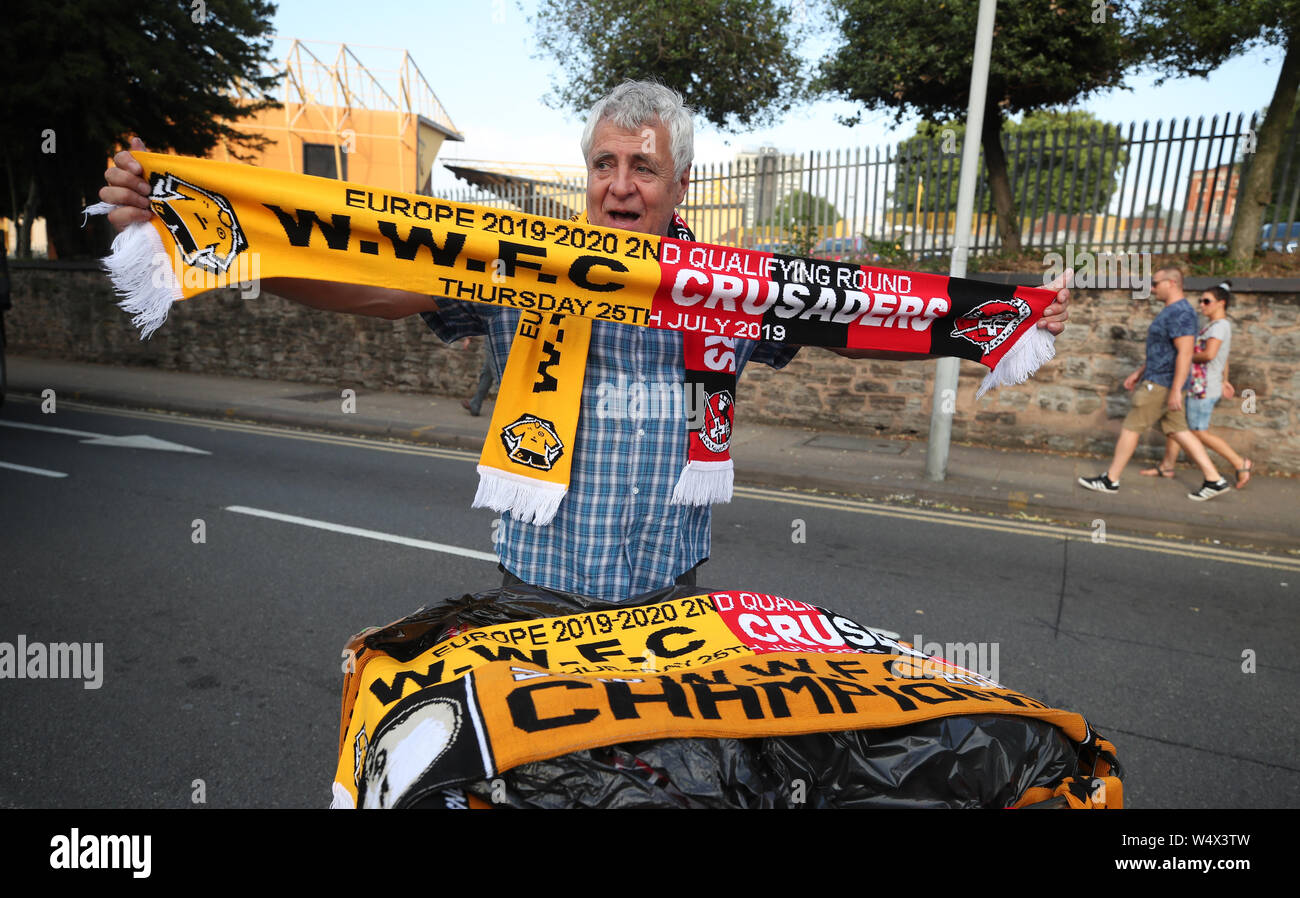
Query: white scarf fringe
point(141, 272)
point(704, 483)
point(341, 799)
point(1035, 348)
point(528, 500)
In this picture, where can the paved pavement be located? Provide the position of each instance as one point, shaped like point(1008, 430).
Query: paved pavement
point(1024, 484)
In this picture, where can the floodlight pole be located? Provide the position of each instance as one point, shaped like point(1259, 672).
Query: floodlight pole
point(945, 374)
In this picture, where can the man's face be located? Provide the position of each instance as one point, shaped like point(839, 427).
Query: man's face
point(630, 182)
point(1163, 287)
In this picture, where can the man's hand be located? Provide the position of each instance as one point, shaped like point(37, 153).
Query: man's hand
point(1131, 382)
point(1175, 401)
point(1055, 315)
point(1228, 390)
point(127, 189)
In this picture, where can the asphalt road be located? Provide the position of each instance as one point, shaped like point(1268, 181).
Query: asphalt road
point(221, 639)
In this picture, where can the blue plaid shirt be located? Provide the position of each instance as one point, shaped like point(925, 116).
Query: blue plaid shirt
point(617, 533)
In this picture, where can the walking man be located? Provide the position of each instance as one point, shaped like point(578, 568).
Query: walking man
point(1158, 386)
point(486, 378)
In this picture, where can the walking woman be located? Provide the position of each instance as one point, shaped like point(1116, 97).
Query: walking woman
point(1208, 382)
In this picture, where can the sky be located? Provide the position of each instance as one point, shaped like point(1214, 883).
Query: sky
point(479, 58)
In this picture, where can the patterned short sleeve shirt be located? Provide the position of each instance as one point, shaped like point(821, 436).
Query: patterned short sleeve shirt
point(1175, 320)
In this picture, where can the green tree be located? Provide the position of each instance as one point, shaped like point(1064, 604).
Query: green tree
point(734, 61)
point(914, 56)
point(81, 76)
point(1188, 37)
point(1076, 160)
point(1278, 206)
point(801, 215)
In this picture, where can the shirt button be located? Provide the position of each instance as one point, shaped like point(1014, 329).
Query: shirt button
point(635, 491)
point(641, 432)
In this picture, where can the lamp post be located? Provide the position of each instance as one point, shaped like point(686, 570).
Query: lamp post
point(945, 374)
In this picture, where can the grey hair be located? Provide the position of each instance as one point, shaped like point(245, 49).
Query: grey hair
point(636, 103)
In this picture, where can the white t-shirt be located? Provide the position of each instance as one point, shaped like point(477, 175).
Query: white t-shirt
point(1219, 330)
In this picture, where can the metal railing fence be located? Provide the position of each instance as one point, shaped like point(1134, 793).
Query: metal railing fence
point(1163, 187)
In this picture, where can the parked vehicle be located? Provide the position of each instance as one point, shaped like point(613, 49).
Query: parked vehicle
point(1279, 237)
point(785, 249)
point(838, 248)
point(847, 249)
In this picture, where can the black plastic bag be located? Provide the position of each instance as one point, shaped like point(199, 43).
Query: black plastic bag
point(956, 761)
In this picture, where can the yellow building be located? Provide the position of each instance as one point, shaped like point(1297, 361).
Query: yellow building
point(338, 119)
point(342, 119)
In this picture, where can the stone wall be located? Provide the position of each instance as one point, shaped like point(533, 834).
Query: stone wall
point(1074, 404)
point(68, 313)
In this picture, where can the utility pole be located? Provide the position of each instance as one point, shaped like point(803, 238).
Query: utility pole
point(945, 374)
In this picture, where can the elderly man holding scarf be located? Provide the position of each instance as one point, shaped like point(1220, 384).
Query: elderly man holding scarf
point(635, 515)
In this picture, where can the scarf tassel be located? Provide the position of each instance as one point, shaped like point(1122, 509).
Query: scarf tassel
point(141, 272)
point(704, 483)
point(1035, 348)
point(528, 500)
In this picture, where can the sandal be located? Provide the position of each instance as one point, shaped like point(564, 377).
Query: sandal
point(1159, 471)
point(1243, 473)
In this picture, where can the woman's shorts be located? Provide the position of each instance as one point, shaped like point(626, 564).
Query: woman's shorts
point(1198, 412)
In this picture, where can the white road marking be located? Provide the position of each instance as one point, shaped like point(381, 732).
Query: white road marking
point(143, 441)
point(46, 429)
point(368, 534)
point(137, 441)
point(860, 506)
point(25, 469)
point(376, 443)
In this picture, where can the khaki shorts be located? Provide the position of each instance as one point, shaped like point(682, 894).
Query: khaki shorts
point(1149, 407)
